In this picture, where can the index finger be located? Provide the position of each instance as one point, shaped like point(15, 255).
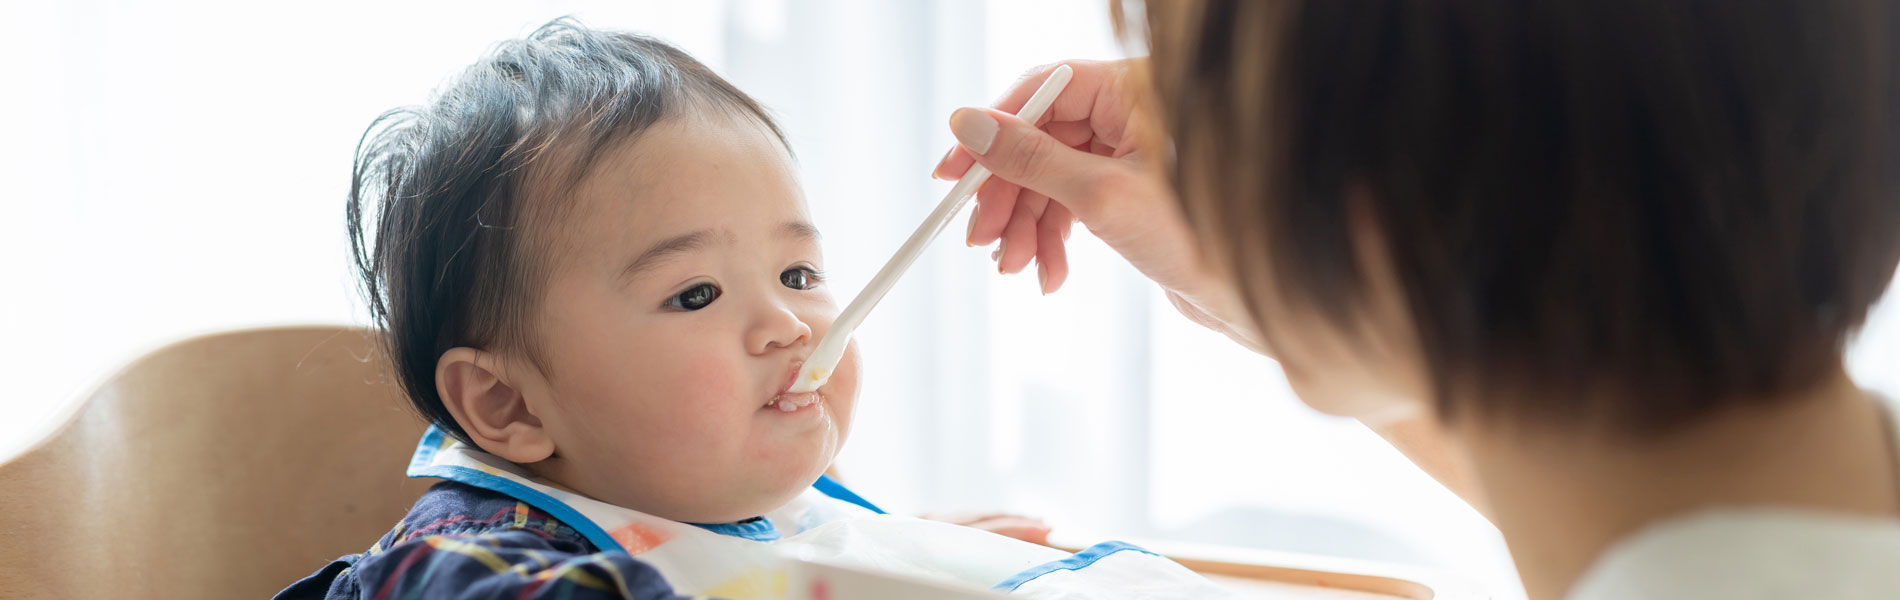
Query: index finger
point(1076, 103)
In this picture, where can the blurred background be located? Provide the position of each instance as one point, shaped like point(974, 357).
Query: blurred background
point(174, 167)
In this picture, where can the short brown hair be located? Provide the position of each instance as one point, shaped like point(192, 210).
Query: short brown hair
point(1634, 211)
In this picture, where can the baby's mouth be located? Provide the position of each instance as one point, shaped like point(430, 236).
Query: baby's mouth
point(788, 401)
point(793, 402)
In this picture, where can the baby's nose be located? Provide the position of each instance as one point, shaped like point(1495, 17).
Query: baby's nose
point(778, 328)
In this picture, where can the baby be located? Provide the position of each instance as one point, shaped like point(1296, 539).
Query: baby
point(596, 276)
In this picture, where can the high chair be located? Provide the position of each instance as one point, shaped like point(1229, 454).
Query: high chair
point(223, 466)
point(230, 465)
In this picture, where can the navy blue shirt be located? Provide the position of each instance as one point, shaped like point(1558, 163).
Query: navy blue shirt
point(461, 541)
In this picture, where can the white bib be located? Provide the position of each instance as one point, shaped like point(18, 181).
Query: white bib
point(827, 524)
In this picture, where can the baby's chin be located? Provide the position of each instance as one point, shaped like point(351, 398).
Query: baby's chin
point(790, 465)
point(784, 483)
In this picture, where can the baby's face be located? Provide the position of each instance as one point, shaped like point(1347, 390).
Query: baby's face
point(686, 295)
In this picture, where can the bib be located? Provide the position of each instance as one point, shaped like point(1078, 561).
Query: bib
point(827, 524)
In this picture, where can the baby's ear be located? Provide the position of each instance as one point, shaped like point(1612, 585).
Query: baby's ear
point(493, 413)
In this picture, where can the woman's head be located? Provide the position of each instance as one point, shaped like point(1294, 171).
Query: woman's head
point(589, 254)
point(1629, 213)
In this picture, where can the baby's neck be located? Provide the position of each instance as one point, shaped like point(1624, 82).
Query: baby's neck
point(1562, 498)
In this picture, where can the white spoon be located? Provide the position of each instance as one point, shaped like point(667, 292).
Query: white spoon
point(818, 366)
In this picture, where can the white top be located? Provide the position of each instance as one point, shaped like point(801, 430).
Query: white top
point(1741, 553)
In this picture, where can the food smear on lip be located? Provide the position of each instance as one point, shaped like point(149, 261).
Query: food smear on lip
point(810, 380)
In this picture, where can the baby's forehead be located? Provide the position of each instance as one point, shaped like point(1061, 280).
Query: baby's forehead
point(683, 173)
point(686, 155)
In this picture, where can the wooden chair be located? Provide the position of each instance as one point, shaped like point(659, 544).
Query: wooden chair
point(224, 466)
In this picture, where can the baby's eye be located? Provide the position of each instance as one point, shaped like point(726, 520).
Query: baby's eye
point(694, 298)
point(801, 278)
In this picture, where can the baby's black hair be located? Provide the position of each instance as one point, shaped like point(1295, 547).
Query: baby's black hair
point(448, 199)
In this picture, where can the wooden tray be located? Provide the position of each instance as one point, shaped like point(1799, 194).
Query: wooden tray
point(1275, 575)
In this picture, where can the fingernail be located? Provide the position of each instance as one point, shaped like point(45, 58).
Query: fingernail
point(935, 172)
point(998, 254)
point(1042, 277)
point(972, 230)
point(974, 129)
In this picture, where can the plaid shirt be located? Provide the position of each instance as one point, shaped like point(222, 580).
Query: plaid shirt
point(461, 541)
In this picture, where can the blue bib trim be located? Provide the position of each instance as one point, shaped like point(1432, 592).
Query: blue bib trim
point(831, 487)
point(435, 439)
point(758, 530)
point(1078, 561)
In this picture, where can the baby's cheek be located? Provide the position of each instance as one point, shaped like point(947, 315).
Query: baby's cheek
point(710, 385)
point(844, 384)
point(696, 413)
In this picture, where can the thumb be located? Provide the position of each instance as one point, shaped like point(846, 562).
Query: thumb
point(1029, 157)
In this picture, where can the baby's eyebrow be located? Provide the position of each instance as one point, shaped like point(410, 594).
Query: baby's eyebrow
point(799, 230)
point(668, 248)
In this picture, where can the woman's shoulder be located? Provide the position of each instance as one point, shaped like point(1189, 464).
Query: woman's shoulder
point(1751, 553)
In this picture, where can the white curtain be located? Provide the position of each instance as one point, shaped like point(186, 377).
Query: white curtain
point(178, 166)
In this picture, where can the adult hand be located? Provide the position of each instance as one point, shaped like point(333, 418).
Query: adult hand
point(1028, 529)
point(1085, 161)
